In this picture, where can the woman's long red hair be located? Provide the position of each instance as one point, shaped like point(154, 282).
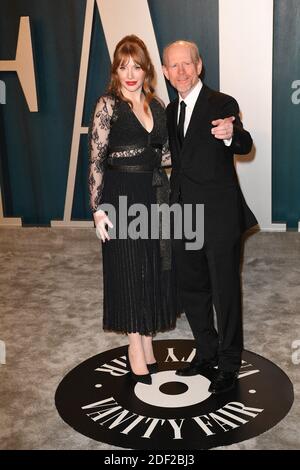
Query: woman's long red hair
point(132, 46)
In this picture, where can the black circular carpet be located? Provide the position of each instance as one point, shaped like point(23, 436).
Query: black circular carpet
point(98, 399)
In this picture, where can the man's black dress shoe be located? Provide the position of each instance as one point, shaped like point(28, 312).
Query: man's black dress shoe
point(196, 367)
point(223, 382)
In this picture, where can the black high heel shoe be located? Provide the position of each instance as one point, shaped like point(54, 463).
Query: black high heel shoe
point(144, 378)
point(152, 368)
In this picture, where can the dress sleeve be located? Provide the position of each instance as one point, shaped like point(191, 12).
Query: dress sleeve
point(98, 144)
point(166, 155)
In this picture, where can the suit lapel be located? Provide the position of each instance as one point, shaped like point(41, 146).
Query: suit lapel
point(174, 113)
point(199, 115)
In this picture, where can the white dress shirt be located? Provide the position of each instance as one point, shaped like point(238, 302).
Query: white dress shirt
point(190, 101)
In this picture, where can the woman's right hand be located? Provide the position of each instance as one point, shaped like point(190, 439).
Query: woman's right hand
point(101, 220)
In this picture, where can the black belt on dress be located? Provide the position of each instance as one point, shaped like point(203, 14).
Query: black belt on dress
point(131, 168)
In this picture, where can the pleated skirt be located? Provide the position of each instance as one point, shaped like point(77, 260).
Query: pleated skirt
point(139, 297)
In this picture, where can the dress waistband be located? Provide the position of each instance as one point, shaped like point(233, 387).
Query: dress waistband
point(131, 168)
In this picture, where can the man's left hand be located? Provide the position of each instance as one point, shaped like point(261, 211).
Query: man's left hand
point(223, 129)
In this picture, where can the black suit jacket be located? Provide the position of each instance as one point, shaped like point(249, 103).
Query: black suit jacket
point(203, 169)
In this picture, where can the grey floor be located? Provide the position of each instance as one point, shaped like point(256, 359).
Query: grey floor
point(50, 306)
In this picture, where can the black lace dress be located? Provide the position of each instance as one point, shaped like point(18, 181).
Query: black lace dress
point(140, 292)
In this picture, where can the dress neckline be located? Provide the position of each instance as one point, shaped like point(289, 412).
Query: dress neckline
point(141, 124)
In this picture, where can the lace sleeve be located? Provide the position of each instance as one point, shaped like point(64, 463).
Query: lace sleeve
point(98, 145)
point(166, 155)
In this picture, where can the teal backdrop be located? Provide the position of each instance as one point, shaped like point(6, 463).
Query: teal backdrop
point(286, 115)
point(35, 147)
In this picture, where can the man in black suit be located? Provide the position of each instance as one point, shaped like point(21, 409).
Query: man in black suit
point(205, 131)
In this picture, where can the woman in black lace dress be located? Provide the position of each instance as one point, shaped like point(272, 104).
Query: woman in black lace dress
point(128, 146)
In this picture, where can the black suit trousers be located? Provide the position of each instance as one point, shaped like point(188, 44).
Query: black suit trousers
point(211, 277)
